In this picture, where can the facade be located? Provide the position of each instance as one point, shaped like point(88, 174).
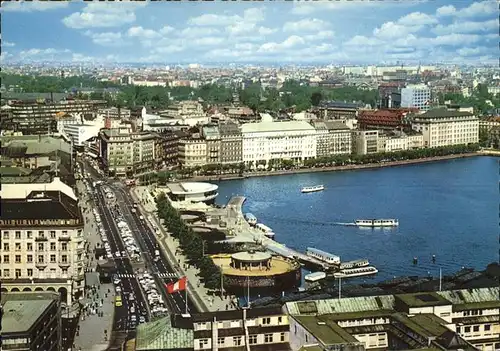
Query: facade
point(245, 330)
point(231, 143)
point(265, 141)
point(387, 119)
point(192, 151)
point(366, 142)
point(42, 239)
point(445, 127)
point(338, 110)
point(31, 321)
point(115, 113)
point(212, 137)
point(416, 96)
point(399, 141)
point(184, 109)
point(167, 148)
point(126, 153)
point(332, 138)
point(80, 133)
point(445, 320)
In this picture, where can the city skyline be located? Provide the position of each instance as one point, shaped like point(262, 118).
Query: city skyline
point(322, 32)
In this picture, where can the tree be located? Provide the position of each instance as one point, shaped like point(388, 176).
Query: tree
point(316, 98)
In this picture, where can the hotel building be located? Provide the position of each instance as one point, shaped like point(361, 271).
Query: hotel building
point(416, 96)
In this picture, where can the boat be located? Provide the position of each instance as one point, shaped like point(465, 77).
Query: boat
point(356, 272)
point(354, 264)
point(322, 256)
point(251, 219)
point(312, 189)
point(314, 277)
point(268, 232)
point(376, 223)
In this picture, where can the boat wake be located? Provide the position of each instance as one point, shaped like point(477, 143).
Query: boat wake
point(345, 224)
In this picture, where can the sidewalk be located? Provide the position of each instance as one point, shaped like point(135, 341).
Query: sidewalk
point(205, 297)
point(98, 311)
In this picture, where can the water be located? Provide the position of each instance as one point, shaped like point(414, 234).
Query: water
point(448, 209)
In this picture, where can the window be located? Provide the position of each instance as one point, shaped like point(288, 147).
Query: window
point(236, 340)
point(18, 234)
point(280, 319)
point(266, 321)
point(203, 343)
point(6, 247)
point(268, 338)
point(64, 246)
point(220, 341)
point(17, 246)
point(252, 339)
point(6, 273)
point(6, 259)
point(52, 258)
point(30, 272)
point(41, 247)
point(29, 234)
point(282, 337)
point(6, 235)
point(475, 328)
point(52, 246)
point(40, 258)
point(18, 273)
point(29, 258)
point(18, 258)
point(64, 271)
point(307, 338)
point(467, 330)
point(52, 234)
point(487, 327)
point(29, 247)
point(64, 258)
point(41, 234)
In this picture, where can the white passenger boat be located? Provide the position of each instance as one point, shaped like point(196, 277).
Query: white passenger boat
point(354, 264)
point(356, 272)
point(314, 277)
point(312, 189)
point(376, 223)
point(322, 256)
point(251, 219)
point(268, 232)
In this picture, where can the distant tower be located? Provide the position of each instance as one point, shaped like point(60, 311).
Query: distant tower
point(63, 74)
point(236, 99)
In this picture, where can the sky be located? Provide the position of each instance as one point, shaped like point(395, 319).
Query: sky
point(337, 32)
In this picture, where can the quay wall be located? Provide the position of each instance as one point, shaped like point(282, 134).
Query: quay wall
point(343, 168)
point(283, 281)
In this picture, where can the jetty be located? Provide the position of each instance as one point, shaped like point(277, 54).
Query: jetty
point(247, 233)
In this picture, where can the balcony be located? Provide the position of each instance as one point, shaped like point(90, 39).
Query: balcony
point(41, 265)
point(41, 238)
point(64, 237)
point(64, 264)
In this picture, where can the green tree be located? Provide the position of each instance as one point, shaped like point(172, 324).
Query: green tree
point(316, 98)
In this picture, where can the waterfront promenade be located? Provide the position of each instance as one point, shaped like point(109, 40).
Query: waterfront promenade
point(342, 168)
point(204, 299)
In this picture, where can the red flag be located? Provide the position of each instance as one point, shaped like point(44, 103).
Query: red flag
point(179, 285)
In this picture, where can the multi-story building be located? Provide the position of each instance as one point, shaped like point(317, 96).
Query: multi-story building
point(39, 117)
point(366, 142)
point(385, 118)
point(212, 136)
point(42, 239)
point(167, 148)
point(80, 133)
point(445, 127)
point(338, 110)
point(417, 96)
point(231, 143)
point(446, 320)
point(192, 151)
point(184, 109)
point(399, 141)
point(247, 329)
point(31, 321)
point(332, 138)
point(115, 113)
point(125, 153)
point(265, 141)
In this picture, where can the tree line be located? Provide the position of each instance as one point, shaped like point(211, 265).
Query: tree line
point(478, 99)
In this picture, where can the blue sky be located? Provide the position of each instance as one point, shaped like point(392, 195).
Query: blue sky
point(201, 32)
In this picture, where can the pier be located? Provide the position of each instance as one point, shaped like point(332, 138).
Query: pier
point(237, 222)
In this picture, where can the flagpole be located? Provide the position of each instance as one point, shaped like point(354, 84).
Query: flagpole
point(186, 295)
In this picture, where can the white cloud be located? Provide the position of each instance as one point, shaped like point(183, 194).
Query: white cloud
point(42, 53)
point(455, 39)
point(479, 9)
point(289, 43)
point(140, 32)
point(417, 19)
point(32, 6)
point(309, 7)
point(7, 44)
point(391, 30)
point(306, 25)
point(448, 10)
point(250, 16)
point(166, 30)
point(321, 35)
point(82, 58)
point(466, 27)
point(473, 51)
point(101, 15)
point(106, 38)
point(193, 32)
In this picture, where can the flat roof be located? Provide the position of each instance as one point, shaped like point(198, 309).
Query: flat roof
point(22, 309)
point(425, 324)
point(422, 299)
point(251, 256)
point(276, 127)
point(325, 331)
point(191, 187)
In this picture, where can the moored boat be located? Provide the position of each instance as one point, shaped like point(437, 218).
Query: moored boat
point(356, 272)
point(312, 189)
point(268, 232)
point(354, 264)
point(251, 219)
point(376, 223)
point(323, 256)
point(314, 277)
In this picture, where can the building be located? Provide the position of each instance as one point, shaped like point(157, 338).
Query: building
point(125, 153)
point(245, 330)
point(366, 142)
point(445, 127)
point(190, 192)
point(39, 117)
point(192, 151)
point(399, 141)
point(42, 239)
point(338, 110)
point(265, 141)
point(387, 119)
point(333, 138)
point(231, 147)
point(190, 109)
point(31, 321)
point(115, 113)
point(446, 320)
point(212, 137)
point(167, 148)
point(389, 94)
point(80, 133)
point(416, 96)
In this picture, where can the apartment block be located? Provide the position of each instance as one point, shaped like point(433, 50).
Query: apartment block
point(399, 141)
point(338, 110)
point(213, 139)
point(231, 143)
point(416, 96)
point(42, 239)
point(193, 151)
point(333, 138)
point(445, 127)
point(31, 321)
point(366, 142)
point(446, 320)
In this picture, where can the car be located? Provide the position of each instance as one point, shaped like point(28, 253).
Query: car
point(142, 319)
point(132, 309)
point(118, 289)
point(131, 297)
point(117, 253)
point(116, 281)
point(118, 301)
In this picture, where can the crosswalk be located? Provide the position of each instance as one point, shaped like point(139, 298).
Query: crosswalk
point(125, 275)
point(160, 275)
point(167, 275)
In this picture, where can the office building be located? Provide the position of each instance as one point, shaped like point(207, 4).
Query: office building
point(365, 142)
point(42, 239)
point(333, 138)
point(416, 96)
point(231, 143)
point(192, 151)
point(31, 321)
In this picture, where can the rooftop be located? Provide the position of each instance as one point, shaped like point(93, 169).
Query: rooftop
point(422, 299)
point(443, 113)
point(27, 145)
point(191, 187)
point(325, 331)
point(21, 191)
point(22, 309)
point(251, 256)
point(287, 126)
point(160, 335)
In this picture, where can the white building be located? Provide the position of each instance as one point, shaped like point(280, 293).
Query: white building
point(79, 133)
point(418, 96)
point(190, 192)
point(366, 142)
point(265, 141)
point(42, 239)
point(445, 127)
point(401, 142)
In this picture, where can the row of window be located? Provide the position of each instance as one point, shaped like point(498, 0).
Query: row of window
point(473, 328)
point(40, 259)
point(29, 272)
point(238, 340)
point(41, 246)
point(6, 235)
